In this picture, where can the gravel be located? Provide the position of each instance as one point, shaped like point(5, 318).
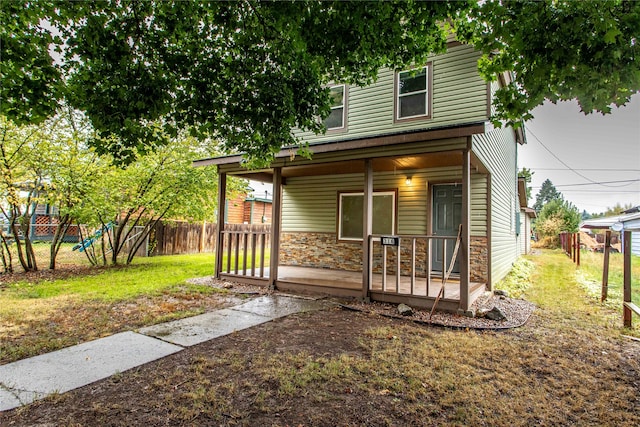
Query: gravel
point(517, 312)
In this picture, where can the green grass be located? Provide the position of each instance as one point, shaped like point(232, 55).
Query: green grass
point(45, 315)
point(144, 276)
point(590, 276)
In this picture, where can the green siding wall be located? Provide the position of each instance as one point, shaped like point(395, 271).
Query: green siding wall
point(310, 203)
point(497, 151)
point(459, 95)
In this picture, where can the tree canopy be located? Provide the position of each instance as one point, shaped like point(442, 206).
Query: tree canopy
point(547, 193)
point(247, 72)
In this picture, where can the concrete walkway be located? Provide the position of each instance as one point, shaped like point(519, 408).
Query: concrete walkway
point(27, 380)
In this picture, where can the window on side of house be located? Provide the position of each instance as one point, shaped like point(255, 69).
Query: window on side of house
point(350, 226)
point(337, 117)
point(413, 93)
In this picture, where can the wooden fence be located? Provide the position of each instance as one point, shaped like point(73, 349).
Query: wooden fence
point(571, 245)
point(182, 237)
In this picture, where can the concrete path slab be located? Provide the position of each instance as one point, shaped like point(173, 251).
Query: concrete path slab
point(26, 380)
point(275, 306)
point(198, 329)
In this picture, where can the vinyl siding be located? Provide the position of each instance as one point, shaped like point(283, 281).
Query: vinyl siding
point(635, 243)
point(497, 151)
point(459, 96)
point(310, 203)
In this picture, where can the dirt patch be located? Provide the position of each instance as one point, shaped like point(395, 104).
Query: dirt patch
point(46, 274)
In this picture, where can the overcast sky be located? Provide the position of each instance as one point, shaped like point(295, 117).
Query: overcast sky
point(600, 148)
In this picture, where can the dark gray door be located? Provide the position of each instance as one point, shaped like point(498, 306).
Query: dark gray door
point(446, 218)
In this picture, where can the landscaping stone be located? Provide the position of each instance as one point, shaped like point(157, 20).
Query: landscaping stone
point(405, 310)
point(495, 314)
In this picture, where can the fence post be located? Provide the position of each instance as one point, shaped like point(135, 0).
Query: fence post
point(605, 267)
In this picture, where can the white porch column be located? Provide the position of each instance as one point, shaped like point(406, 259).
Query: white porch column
point(222, 192)
point(276, 225)
point(367, 226)
point(465, 218)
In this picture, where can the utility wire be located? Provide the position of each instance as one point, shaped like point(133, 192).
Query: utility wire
point(628, 181)
point(588, 170)
point(560, 160)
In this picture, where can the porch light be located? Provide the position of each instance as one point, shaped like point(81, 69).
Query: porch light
point(408, 180)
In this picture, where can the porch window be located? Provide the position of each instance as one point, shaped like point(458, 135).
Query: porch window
point(350, 209)
point(336, 118)
point(413, 92)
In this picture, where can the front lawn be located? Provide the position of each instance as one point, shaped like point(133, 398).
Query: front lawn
point(37, 316)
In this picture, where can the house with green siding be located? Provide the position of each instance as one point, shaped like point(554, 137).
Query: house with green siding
point(409, 186)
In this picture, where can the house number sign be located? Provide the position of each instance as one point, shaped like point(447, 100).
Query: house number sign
point(390, 240)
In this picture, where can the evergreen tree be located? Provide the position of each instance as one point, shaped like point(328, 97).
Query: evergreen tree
point(546, 194)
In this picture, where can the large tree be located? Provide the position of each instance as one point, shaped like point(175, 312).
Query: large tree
point(547, 193)
point(556, 217)
point(247, 72)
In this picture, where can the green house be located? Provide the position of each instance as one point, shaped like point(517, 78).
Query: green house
point(405, 165)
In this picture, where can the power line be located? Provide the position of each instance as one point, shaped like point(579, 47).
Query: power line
point(628, 181)
point(600, 191)
point(561, 161)
point(587, 170)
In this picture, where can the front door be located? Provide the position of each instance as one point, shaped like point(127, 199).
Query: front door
point(446, 219)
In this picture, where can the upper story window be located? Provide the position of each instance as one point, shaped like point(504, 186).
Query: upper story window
point(337, 118)
point(413, 93)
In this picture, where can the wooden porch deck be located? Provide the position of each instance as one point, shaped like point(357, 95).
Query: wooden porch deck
point(349, 283)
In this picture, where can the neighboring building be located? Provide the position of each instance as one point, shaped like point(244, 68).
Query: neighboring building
point(44, 223)
point(248, 209)
point(524, 219)
point(411, 156)
point(628, 220)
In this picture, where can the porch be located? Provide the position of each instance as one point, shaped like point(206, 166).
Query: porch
point(402, 273)
point(310, 280)
point(330, 212)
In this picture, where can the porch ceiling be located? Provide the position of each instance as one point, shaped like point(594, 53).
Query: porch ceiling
point(418, 161)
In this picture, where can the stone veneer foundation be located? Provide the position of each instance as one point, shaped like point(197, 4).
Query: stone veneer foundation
point(322, 250)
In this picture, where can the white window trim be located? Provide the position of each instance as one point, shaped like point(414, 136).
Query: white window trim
point(343, 106)
point(375, 193)
point(425, 91)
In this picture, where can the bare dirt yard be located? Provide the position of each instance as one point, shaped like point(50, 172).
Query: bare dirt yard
point(342, 367)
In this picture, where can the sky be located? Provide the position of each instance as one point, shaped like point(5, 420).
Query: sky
point(593, 160)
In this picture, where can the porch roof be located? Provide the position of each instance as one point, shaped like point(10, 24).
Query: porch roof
point(335, 157)
point(365, 142)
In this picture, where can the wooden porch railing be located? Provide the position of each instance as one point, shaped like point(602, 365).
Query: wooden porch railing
point(244, 251)
point(415, 264)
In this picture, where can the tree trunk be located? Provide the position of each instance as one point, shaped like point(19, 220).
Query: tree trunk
point(58, 238)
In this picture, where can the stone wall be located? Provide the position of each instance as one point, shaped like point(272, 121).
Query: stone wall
point(479, 260)
point(322, 250)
